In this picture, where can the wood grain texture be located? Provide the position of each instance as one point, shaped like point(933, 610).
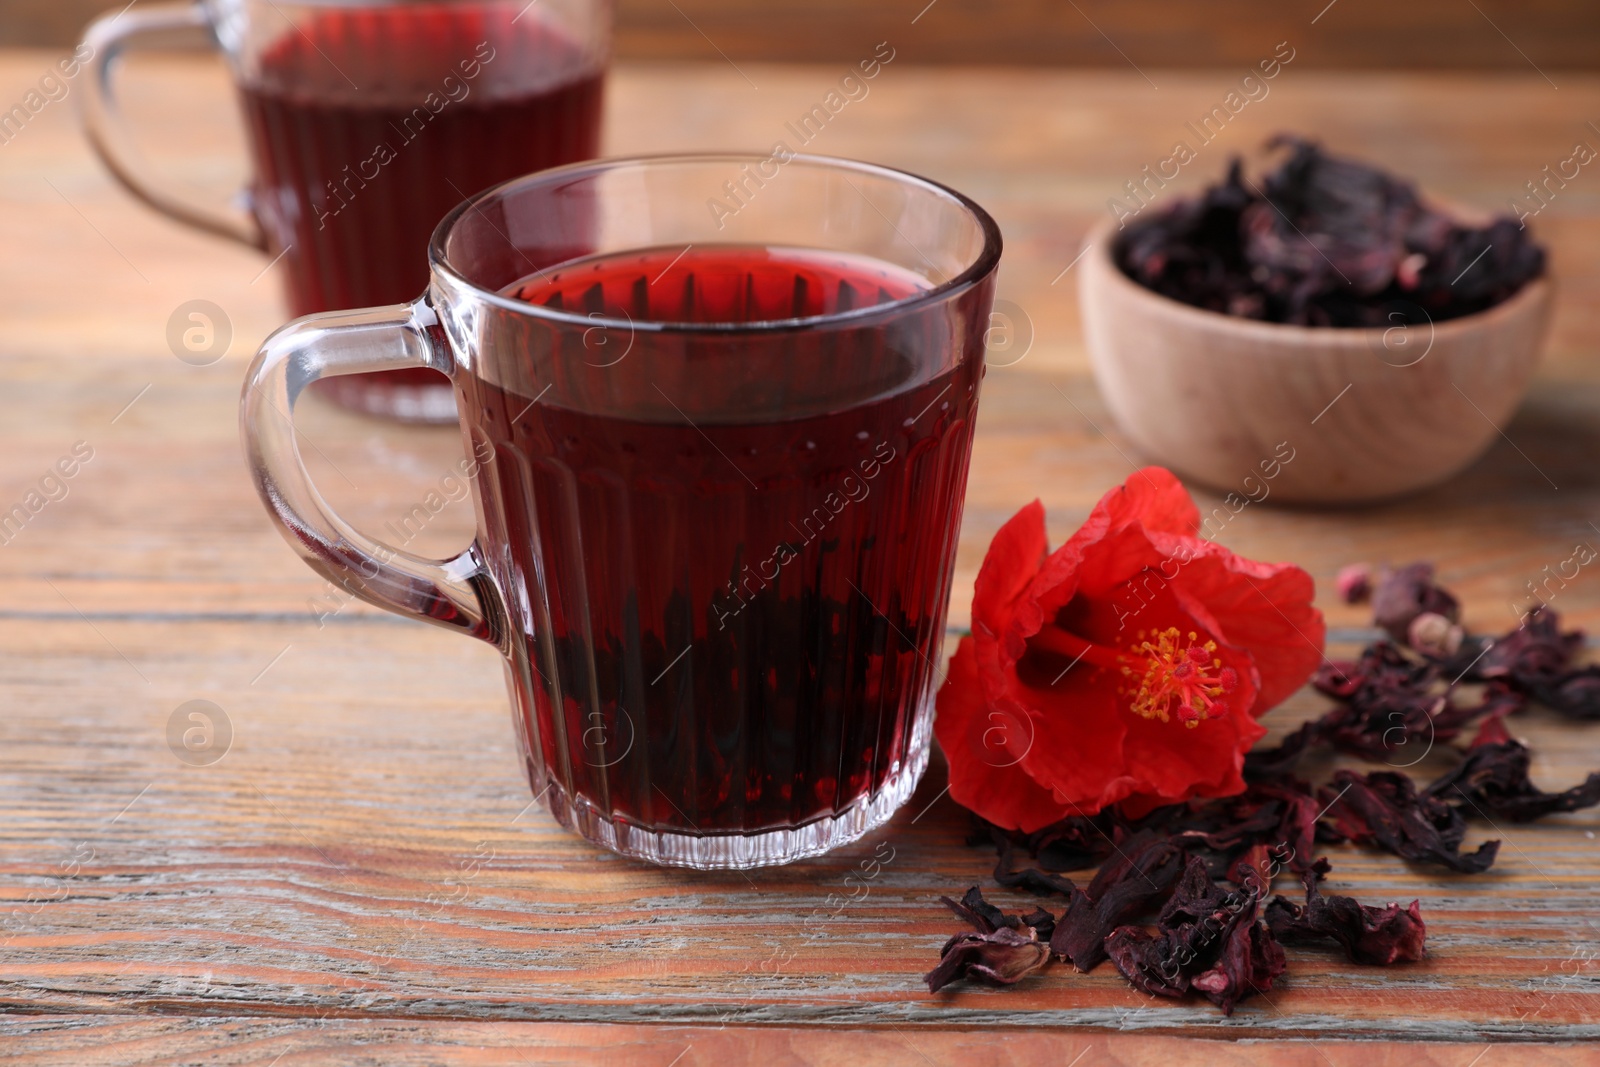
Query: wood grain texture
point(93, 1041)
point(362, 876)
point(1145, 35)
point(1548, 35)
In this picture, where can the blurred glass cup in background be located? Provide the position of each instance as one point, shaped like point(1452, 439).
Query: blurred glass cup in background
point(366, 123)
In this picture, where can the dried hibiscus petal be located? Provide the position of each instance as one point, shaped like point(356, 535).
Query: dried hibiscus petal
point(1534, 660)
point(1003, 957)
point(1156, 963)
point(1195, 896)
point(1534, 655)
point(1354, 583)
point(986, 918)
point(1389, 699)
point(1264, 764)
point(1276, 818)
point(1384, 809)
point(979, 913)
point(1028, 879)
point(1575, 694)
point(1004, 950)
point(1325, 241)
point(1138, 877)
point(1251, 959)
point(1491, 731)
point(1369, 935)
point(1493, 781)
point(1041, 921)
point(1208, 939)
point(1498, 701)
point(1162, 962)
point(1075, 843)
point(1403, 594)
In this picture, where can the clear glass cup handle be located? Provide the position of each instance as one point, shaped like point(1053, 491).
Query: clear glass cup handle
point(108, 37)
point(455, 593)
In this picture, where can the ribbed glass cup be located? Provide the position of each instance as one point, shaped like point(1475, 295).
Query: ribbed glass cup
point(720, 462)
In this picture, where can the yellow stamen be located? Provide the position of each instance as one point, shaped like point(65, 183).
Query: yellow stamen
point(1189, 681)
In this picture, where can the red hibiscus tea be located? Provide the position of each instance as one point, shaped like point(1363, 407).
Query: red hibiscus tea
point(367, 122)
point(736, 614)
point(721, 447)
point(371, 123)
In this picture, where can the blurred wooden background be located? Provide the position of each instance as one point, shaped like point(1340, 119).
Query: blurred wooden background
point(1513, 35)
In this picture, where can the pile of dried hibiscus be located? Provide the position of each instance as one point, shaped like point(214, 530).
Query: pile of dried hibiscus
point(1325, 241)
point(1180, 904)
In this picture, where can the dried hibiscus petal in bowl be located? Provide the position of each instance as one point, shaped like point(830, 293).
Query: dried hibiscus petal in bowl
point(1326, 241)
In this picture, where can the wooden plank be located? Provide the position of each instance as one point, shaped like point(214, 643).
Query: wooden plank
point(93, 1041)
point(362, 869)
point(1154, 34)
point(364, 850)
point(1548, 35)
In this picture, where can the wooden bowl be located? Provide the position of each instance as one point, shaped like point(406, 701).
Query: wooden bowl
point(1365, 414)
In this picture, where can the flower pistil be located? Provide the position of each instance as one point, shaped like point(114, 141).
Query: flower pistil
point(1177, 677)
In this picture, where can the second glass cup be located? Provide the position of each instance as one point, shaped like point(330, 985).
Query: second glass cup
point(367, 122)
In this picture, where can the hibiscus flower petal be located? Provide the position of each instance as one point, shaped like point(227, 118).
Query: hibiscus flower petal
point(1178, 762)
point(1077, 750)
point(996, 787)
point(1153, 497)
point(1013, 559)
point(1265, 607)
point(1054, 706)
point(1117, 753)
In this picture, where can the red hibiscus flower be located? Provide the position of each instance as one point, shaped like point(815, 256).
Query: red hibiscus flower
point(1128, 666)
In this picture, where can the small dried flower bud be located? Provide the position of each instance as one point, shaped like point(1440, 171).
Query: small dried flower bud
point(1409, 271)
point(1355, 583)
point(1400, 595)
point(1435, 635)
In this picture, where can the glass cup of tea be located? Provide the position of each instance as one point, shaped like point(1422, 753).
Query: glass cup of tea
point(366, 123)
point(719, 411)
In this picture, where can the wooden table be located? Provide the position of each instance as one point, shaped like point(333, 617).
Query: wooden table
point(361, 879)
